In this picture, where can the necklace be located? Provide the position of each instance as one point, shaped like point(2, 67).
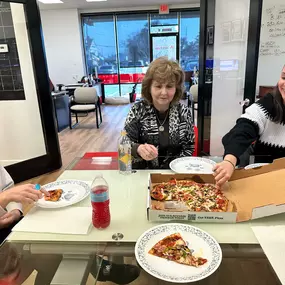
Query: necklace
point(161, 127)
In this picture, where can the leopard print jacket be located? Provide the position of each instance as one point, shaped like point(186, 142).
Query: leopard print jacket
point(141, 127)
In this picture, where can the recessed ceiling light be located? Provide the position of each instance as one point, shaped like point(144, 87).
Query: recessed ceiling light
point(96, 0)
point(50, 1)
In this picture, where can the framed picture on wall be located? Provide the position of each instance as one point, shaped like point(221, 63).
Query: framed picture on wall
point(237, 31)
point(11, 82)
point(226, 32)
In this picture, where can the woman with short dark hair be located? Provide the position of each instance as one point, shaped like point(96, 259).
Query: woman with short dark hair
point(262, 123)
point(160, 127)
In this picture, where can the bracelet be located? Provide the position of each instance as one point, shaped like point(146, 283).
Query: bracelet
point(230, 163)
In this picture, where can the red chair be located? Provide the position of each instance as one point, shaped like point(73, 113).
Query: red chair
point(195, 153)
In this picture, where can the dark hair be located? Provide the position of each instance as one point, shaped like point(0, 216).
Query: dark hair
point(163, 70)
point(278, 105)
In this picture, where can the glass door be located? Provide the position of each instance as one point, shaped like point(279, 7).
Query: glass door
point(228, 63)
point(28, 138)
point(165, 45)
point(164, 36)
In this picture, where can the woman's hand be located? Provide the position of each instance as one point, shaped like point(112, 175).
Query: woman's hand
point(223, 171)
point(147, 151)
point(9, 218)
point(21, 194)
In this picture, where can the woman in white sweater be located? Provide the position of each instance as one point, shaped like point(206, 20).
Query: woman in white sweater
point(262, 124)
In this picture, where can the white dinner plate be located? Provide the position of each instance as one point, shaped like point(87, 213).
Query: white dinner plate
point(201, 243)
point(255, 165)
point(192, 164)
point(74, 191)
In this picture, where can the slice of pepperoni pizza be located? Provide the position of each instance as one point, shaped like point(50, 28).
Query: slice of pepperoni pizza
point(174, 248)
point(54, 195)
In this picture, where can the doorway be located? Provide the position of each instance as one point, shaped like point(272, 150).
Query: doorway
point(165, 45)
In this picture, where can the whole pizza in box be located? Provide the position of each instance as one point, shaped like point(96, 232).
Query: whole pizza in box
point(187, 195)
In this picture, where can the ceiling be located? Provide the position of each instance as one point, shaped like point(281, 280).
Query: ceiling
point(115, 4)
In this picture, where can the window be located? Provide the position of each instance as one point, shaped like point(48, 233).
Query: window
point(100, 50)
point(117, 47)
point(128, 88)
point(189, 40)
point(133, 48)
point(164, 20)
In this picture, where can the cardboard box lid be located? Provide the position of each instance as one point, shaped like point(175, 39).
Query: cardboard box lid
point(244, 173)
point(256, 191)
point(258, 187)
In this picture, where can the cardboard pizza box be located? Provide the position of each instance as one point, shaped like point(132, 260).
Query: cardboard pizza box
point(256, 193)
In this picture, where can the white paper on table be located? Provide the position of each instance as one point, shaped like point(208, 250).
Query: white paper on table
point(70, 220)
point(272, 241)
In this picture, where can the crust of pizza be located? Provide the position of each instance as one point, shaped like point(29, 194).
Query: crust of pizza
point(171, 240)
point(54, 195)
point(231, 207)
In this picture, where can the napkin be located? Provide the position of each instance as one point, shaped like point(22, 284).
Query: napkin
point(70, 220)
point(272, 241)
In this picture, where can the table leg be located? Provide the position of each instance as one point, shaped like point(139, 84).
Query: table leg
point(73, 270)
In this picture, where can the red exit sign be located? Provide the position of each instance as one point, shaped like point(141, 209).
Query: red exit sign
point(164, 9)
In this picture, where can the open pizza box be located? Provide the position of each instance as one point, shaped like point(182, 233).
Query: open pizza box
point(255, 193)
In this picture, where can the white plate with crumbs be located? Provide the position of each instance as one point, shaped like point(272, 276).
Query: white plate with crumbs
point(255, 165)
point(73, 191)
point(191, 164)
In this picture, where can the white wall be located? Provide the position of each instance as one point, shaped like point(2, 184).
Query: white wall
point(227, 85)
point(272, 43)
point(62, 37)
point(21, 134)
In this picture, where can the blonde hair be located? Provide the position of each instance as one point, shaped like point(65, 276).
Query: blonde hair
point(163, 70)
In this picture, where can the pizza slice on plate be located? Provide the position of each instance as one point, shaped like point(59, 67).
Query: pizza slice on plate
point(54, 195)
point(174, 248)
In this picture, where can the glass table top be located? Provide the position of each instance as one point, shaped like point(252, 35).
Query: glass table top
point(29, 258)
point(93, 263)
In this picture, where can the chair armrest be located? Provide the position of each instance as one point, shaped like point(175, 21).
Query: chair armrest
point(190, 99)
point(71, 100)
point(59, 86)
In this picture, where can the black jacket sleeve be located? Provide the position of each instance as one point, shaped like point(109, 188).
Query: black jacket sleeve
point(247, 130)
point(240, 137)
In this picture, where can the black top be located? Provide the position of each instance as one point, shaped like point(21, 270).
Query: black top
point(257, 125)
point(164, 135)
point(177, 139)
